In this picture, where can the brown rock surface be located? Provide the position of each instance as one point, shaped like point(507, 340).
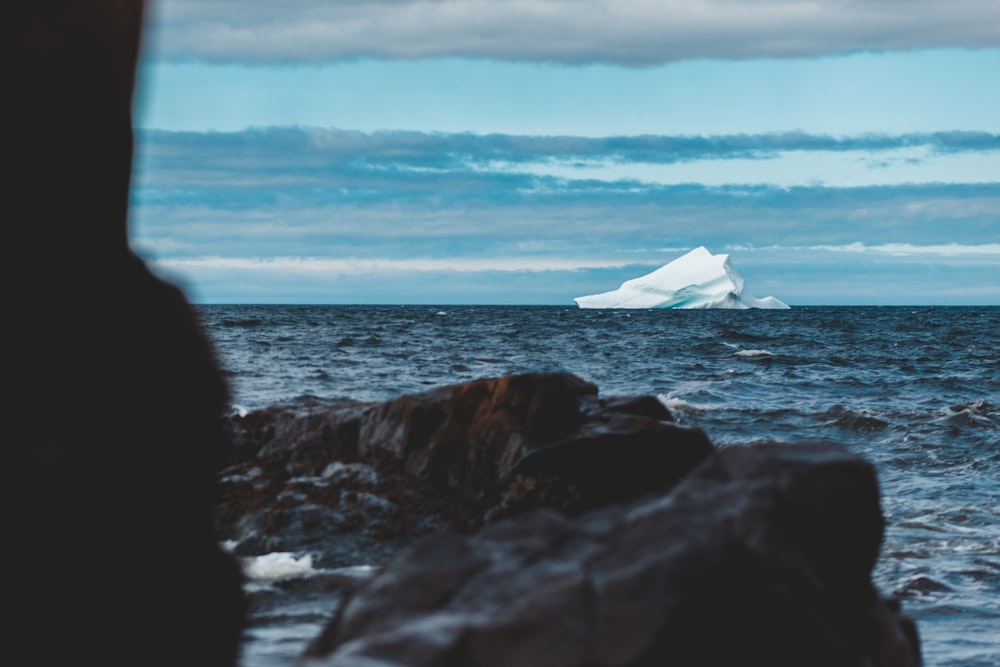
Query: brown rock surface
point(452, 456)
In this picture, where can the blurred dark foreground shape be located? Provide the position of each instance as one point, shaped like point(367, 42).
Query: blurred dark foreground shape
point(113, 394)
point(762, 555)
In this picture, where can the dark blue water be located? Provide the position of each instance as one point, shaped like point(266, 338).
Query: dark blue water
point(914, 390)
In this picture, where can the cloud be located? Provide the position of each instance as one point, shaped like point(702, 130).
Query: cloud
point(334, 151)
point(354, 266)
point(989, 250)
point(292, 191)
point(361, 266)
point(327, 215)
point(616, 227)
point(623, 32)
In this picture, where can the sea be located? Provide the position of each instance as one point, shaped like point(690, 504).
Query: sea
point(915, 390)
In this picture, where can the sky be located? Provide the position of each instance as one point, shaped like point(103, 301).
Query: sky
point(842, 152)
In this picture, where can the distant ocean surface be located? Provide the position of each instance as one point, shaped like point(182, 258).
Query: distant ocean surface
point(915, 390)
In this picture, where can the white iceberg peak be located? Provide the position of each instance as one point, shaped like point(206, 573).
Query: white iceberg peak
point(698, 279)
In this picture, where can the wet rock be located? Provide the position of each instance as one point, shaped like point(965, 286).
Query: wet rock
point(307, 436)
point(762, 555)
point(453, 456)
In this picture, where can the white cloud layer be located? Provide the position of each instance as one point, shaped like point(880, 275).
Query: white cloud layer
point(625, 32)
point(909, 249)
point(358, 266)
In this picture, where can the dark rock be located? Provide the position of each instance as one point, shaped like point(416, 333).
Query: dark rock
point(471, 436)
point(308, 435)
point(479, 436)
point(453, 456)
point(114, 424)
point(614, 457)
point(641, 406)
point(761, 556)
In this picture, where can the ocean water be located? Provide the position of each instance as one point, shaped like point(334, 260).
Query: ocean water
point(915, 390)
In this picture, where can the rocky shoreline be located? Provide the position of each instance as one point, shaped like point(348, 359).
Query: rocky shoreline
point(525, 520)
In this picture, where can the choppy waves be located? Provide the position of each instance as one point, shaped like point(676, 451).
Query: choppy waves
point(915, 390)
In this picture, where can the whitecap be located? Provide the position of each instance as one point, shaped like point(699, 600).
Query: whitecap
point(277, 565)
point(973, 414)
point(678, 405)
point(754, 353)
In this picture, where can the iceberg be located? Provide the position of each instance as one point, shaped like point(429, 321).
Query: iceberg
point(698, 279)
